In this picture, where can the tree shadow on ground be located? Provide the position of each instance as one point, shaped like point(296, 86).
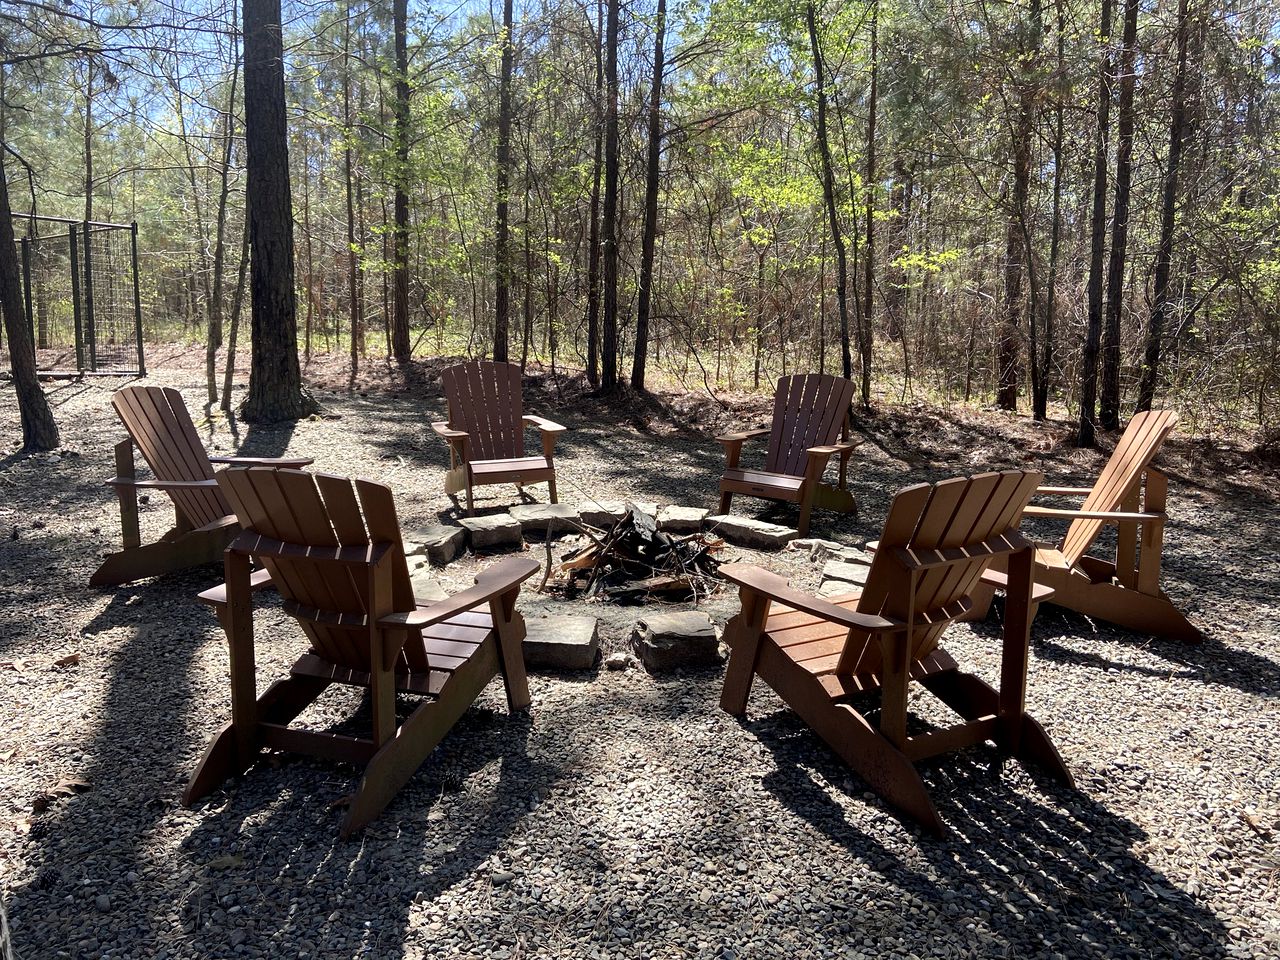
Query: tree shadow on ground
point(1015, 854)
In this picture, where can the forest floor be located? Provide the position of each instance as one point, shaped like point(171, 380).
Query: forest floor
point(627, 815)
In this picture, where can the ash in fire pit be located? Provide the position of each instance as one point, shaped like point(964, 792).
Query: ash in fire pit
point(635, 561)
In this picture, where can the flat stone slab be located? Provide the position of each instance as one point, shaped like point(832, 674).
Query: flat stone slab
point(493, 532)
point(846, 571)
point(828, 549)
point(545, 517)
point(438, 543)
point(837, 588)
point(425, 588)
point(746, 532)
point(605, 513)
point(556, 642)
point(674, 519)
point(666, 641)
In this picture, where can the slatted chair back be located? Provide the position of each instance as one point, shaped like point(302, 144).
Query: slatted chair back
point(485, 402)
point(1119, 479)
point(808, 411)
point(964, 520)
point(161, 428)
point(316, 511)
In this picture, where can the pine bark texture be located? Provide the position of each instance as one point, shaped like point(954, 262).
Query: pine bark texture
point(829, 193)
point(275, 379)
point(1109, 402)
point(39, 430)
point(502, 234)
point(648, 240)
point(1086, 430)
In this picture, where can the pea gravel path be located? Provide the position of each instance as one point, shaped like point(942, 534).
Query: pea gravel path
point(628, 816)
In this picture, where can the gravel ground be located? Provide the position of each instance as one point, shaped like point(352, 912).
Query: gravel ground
point(628, 816)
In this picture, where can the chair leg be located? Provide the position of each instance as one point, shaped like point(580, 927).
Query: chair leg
point(471, 503)
point(726, 499)
point(743, 635)
point(806, 509)
point(510, 629)
point(399, 758)
point(551, 489)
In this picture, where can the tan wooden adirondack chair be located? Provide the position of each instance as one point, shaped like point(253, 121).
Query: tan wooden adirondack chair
point(159, 425)
point(332, 549)
point(485, 431)
point(810, 424)
point(1129, 493)
point(937, 542)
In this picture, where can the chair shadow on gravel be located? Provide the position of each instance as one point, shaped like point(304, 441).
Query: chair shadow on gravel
point(1064, 637)
point(298, 886)
point(1025, 850)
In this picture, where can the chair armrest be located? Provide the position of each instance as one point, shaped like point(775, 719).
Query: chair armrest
point(776, 588)
point(824, 451)
point(743, 436)
point(994, 578)
point(1064, 491)
point(217, 596)
point(491, 582)
point(162, 484)
point(541, 423)
point(1106, 516)
point(286, 463)
point(445, 432)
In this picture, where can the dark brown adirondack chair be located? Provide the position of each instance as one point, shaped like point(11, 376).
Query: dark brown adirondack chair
point(1129, 493)
point(485, 431)
point(159, 425)
point(332, 549)
point(937, 542)
point(810, 424)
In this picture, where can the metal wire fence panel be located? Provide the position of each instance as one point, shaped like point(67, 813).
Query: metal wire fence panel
point(80, 296)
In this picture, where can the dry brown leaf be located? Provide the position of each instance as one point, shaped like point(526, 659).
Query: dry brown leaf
point(63, 788)
point(226, 861)
point(6, 755)
point(70, 660)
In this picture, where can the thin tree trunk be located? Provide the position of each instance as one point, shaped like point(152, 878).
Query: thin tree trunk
point(1109, 404)
point(1168, 215)
point(609, 344)
point(1042, 359)
point(353, 259)
point(1018, 226)
point(829, 193)
point(864, 327)
point(652, 170)
point(237, 305)
point(502, 253)
point(593, 246)
point(275, 380)
point(400, 347)
point(1097, 237)
point(39, 430)
point(220, 232)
